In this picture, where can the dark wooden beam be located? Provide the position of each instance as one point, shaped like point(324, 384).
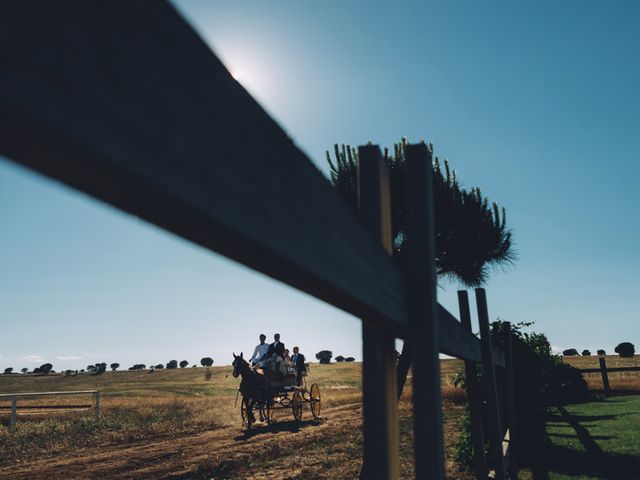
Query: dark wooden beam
point(124, 101)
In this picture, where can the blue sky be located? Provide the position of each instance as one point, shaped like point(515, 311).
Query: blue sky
point(537, 104)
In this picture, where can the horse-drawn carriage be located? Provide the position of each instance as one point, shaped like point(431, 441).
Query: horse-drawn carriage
point(267, 393)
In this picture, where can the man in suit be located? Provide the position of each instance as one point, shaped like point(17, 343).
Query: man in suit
point(276, 348)
point(298, 361)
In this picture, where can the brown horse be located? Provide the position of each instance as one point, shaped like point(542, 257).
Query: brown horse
point(254, 389)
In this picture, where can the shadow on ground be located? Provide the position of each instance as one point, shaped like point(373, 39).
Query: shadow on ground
point(285, 426)
point(593, 463)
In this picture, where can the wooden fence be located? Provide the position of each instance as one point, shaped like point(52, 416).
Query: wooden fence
point(15, 396)
point(124, 101)
point(604, 372)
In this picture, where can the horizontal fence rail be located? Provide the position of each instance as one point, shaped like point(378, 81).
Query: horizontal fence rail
point(604, 371)
point(15, 396)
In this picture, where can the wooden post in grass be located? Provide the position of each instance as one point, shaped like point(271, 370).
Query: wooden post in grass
point(97, 412)
point(379, 384)
point(423, 311)
point(605, 375)
point(473, 395)
point(495, 428)
point(509, 385)
point(14, 413)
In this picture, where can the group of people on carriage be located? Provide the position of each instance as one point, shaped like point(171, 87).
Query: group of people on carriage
point(274, 358)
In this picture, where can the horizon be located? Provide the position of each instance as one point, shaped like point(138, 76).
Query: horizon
point(523, 103)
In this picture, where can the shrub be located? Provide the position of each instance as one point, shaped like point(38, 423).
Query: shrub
point(324, 356)
point(184, 363)
point(159, 366)
point(586, 353)
point(541, 380)
point(172, 364)
point(339, 358)
point(571, 352)
point(601, 352)
point(626, 349)
point(138, 366)
point(349, 359)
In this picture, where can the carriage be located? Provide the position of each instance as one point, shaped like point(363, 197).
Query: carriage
point(264, 394)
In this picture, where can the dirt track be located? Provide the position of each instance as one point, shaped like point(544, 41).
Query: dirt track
point(220, 453)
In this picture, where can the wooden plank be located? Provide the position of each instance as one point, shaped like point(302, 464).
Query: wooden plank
point(510, 402)
point(424, 323)
point(493, 405)
point(123, 100)
point(39, 394)
point(379, 384)
point(610, 369)
point(473, 395)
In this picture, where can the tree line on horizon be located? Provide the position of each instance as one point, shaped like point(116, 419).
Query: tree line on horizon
point(624, 349)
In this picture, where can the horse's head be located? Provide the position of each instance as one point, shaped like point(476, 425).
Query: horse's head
point(238, 364)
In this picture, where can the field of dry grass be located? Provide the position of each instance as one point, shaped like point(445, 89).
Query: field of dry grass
point(183, 424)
point(622, 382)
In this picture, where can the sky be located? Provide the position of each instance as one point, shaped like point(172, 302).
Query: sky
point(536, 104)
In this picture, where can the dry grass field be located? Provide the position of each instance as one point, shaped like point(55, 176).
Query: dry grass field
point(179, 424)
point(621, 382)
point(185, 424)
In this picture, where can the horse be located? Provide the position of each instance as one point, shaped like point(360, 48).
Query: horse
point(254, 388)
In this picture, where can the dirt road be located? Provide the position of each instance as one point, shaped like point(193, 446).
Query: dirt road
point(220, 453)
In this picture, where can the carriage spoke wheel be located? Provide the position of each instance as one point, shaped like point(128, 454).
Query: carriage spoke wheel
point(296, 406)
point(314, 400)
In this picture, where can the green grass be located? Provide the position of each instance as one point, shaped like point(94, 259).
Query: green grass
point(595, 440)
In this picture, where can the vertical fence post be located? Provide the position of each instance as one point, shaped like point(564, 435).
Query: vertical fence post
point(379, 384)
point(495, 429)
point(473, 395)
point(511, 401)
point(605, 375)
point(422, 301)
point(97, 395)
point(14, 413)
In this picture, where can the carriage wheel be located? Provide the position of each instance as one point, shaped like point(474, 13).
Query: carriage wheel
point(296, 406)
point(314, 400)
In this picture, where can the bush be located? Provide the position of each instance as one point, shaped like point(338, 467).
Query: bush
point(138, 366)
point(159, 366)
point(626, 349)
point(324, 356)
point(184, 363)
point(541, 380)
point(339, 358)
point(601, 352)
point(571, 352)
point(349, 359)
point(172, 364)
point(586, 353)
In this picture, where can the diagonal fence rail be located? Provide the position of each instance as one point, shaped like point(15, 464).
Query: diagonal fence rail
point(97, 96)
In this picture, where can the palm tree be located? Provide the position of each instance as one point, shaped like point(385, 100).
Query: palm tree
point(471, 234)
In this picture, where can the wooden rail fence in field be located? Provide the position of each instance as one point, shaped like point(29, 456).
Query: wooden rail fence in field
point(604, 372)
point(124, 101)
point(15, 396)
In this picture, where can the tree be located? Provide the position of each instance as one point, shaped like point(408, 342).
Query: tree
point(570, 352)
point(349, 359)
point(45, 368)
point(206, 361)
point(339, 358)
point(100, 368)
point(586, 353)
point(91, 368)
point(8, 370)
point(24, 370)
point(626, 349)
point(172, 364)
point(601, 352)
point(114, 366)
point(324, 356)
point(159, 366)
point(138, 366)
point(183, 364)
point(471, 234)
